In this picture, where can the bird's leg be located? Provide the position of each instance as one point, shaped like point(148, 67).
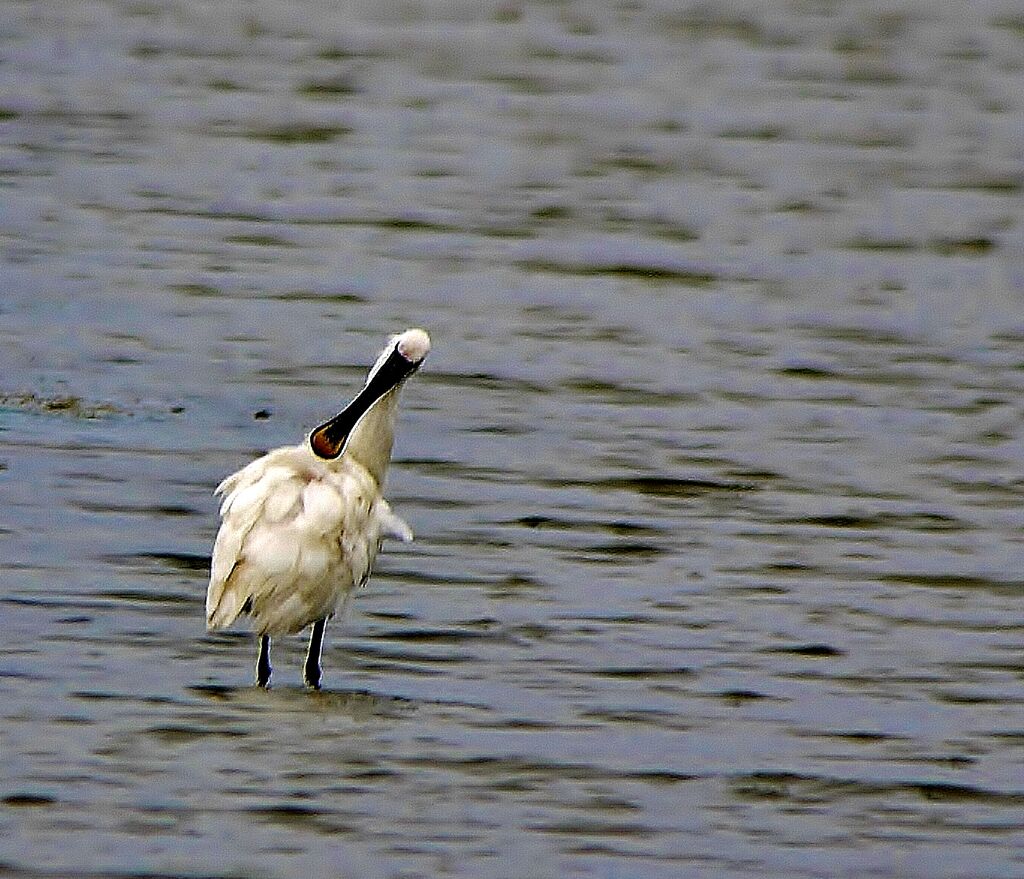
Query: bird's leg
point(263, 668)
point(311, 671)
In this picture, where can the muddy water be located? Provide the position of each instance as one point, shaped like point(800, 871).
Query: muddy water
point(715, 469)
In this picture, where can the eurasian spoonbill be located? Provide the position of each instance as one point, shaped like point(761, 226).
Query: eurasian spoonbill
point(302, 525)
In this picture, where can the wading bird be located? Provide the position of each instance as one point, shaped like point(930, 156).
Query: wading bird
point(302, 525)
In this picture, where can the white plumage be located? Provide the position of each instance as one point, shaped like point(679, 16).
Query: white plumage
point(302, 525)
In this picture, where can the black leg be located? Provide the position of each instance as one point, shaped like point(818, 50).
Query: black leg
point(311, 671)
point(263, 668)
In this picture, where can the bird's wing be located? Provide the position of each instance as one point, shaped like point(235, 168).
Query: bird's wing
point(254, 498)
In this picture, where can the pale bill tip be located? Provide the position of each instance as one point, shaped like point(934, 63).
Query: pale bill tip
point(414, 345)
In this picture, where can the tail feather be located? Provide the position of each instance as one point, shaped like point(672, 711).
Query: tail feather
point(223, 609)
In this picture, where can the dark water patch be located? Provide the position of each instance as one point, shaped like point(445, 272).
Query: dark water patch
point(205, 291)
point(978, 246)
point(814, 650)
point(591, 623)
point(419, 577)
point(626, 394)
point(528, 633)
point(1004, 491)
point(1012, 737)
point(455, 470)
point(27, 799)
point(741, 696)
point(411, 224)
point(630, 548)
point(960, 697)
point(217, 692)
point(945, 792)
point(326, 296)
point(449, 502)
point(430, 636)
point(548, 324)
point(292, 135)
point(389, 615)
point(994, 183)
point(824, 789)
point(179, 561)
point(478, 537)
point(16, 872)
point(361, 771)
point(305, 375)
point(179, 47)
point(652, 717)
point(675, 486)
point(552, 212)
point(178, 734)
point(800, 206)
point(955, 761)
point(955, 582)
point(884, 683)
point(408, 657)
point(484, 381)
point(644, 163)
point(524, 84)
point(864, 736)
point(224, 84)
point(755, 132)
point(808, 371)
point(390, 666)
point(860, 333)
point(87, 601)
point(17, 674)
point(913, 521)
point(299, 816)
point(263, 214)
point(641, 672)
point(157, 510)
point(516, 584)
point(618, 528)
point(149, 596)
point(330, 87)
point(523, 724)
point(174, 561)
point(690, 277)
point(593, 827)
point(506, 429)
point(1014, 667)
point(257, 239)
point(110, 696)
point(555, 315)
point(512, 768)
point(74, 720)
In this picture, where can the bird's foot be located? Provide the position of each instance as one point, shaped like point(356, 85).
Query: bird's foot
point(311, 677)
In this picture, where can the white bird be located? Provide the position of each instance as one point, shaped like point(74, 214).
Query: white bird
point(302, 525)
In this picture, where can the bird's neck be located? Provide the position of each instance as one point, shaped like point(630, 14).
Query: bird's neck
point(371, 439)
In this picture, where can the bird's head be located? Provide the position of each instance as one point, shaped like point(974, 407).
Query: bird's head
point(401, 357)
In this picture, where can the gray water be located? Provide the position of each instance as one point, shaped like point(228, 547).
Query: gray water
point(716, 468)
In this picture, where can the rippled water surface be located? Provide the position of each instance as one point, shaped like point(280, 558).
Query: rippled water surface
point(716, 468)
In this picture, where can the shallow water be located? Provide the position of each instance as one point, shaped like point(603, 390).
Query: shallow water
point(715, 468)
